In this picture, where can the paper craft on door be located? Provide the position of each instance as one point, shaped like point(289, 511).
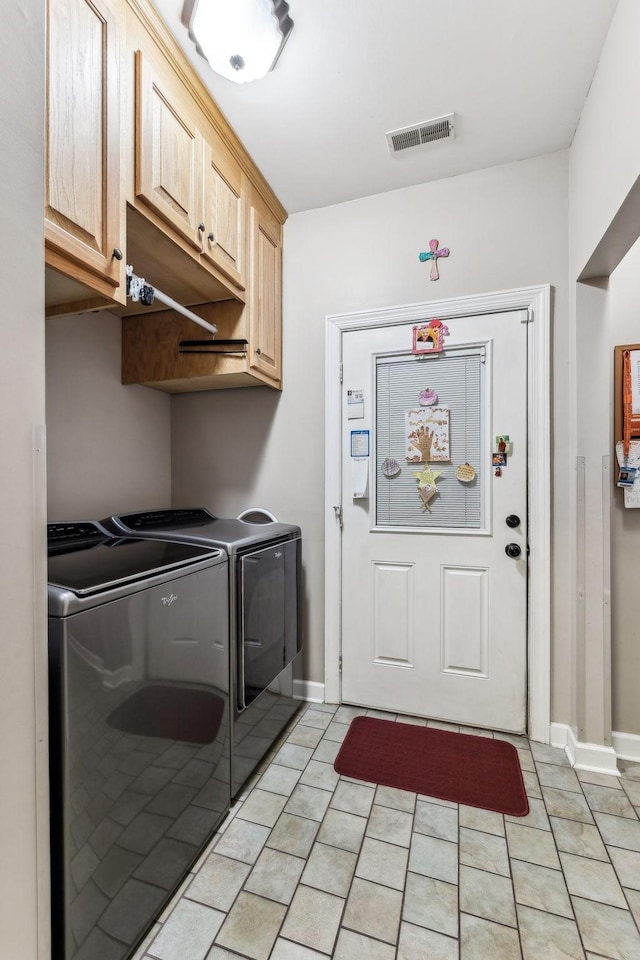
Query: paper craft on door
point(427, 431)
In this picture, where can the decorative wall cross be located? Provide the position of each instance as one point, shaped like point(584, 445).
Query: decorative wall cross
point(434, 255)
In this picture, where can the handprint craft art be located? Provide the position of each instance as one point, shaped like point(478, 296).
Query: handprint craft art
point(427, 432)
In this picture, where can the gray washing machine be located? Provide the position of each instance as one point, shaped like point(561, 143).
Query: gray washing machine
point(265, 615)
point(139, 729)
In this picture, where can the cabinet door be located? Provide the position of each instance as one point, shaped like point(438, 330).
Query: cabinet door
point(168, 152)
point(265, 337)
point(82, 169)
point(223, 215)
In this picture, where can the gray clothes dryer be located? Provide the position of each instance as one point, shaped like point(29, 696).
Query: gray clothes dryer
point(265, 616)
point(139, 729)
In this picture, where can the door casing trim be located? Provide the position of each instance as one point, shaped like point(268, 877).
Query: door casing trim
point(537, 302)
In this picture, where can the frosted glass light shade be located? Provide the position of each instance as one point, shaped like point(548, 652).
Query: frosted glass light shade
point(241, 39)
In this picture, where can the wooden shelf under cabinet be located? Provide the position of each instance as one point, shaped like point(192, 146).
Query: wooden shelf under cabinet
point(151, 351)
point(151, 342)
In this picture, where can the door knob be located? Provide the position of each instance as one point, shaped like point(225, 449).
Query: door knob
point(513, 550)
point(513, 520)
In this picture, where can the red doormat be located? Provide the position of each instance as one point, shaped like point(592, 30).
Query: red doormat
point(477, 771)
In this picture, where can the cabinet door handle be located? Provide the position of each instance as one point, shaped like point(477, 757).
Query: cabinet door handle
point(210, 237)
point(258, 351)
point(117, 253)
point(201, 227)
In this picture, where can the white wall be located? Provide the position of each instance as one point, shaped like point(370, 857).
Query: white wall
point(506, 227)
point(605, 154)
point(604, 221)
point(108, 445)
point(590, 484)
point(23, 670)
point(625, 524)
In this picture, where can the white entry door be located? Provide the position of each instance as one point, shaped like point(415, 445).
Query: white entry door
point(434, 584)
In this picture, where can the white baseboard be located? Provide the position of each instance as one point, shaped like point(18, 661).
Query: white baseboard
point(626, 745)
point(308, 690)
point(558, 733)
point(584, 756)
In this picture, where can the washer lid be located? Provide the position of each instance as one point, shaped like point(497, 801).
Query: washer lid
point(198, 526)
point(103, 563)
point(146, 521)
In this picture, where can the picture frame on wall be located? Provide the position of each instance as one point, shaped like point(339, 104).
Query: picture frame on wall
point(630, 411)
point(429, 337)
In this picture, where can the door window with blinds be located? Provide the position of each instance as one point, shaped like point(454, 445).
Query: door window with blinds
point(440, 397)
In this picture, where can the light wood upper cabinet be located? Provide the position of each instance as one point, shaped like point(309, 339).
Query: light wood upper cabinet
point(143, 168)
point(265, 317)
point(223, 211)
point(168, 153)
point(84, 210)
point(186, 177)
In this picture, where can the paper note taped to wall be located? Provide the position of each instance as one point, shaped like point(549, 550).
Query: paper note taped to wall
point(632, 493)
point(359, 477)
point(355, 404)
point(359, 443)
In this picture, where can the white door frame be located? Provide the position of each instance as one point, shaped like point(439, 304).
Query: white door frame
point(537, 302)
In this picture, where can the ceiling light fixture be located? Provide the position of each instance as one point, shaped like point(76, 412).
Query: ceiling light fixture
point(241, 39)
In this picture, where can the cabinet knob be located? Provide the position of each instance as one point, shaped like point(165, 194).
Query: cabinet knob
point(201, 227)
point(117, 253)
point(258, 351)
point(210, 237)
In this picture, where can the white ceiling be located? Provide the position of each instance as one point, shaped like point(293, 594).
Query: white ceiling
point(514, 72)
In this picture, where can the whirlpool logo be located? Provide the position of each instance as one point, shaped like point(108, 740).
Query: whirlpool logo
point(167, 601)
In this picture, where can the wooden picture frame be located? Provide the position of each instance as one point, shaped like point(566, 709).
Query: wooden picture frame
point(618, 393)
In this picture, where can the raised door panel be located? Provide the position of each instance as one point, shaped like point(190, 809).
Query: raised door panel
point(223, 213)
point(393, 599)
point(168, 153)
point(265, 341)
point(82, 170)
point(464, 602)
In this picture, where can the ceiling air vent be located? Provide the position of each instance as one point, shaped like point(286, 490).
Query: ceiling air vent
point(420, 134)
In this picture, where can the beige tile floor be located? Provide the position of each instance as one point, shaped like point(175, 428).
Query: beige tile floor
point(311, 865)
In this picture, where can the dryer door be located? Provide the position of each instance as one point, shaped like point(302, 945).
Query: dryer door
point(270, 633)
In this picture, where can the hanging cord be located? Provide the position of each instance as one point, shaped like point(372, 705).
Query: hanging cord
point(466, 429)
point(627, 403)
point(466, 422)
point(389, 410)
point(388, 484)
